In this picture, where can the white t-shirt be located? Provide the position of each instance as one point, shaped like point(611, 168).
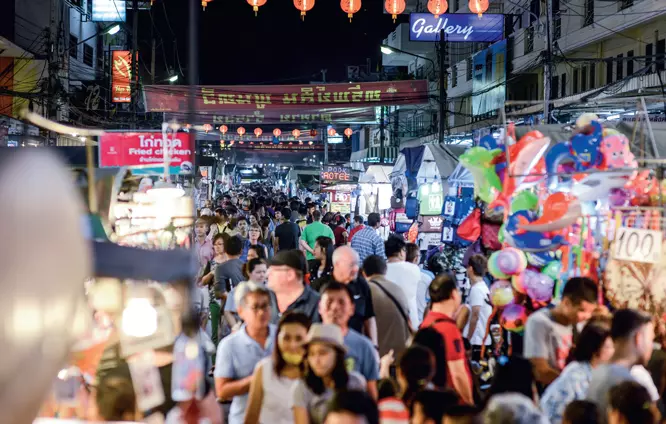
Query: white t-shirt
point(479, 295)
point(406, 275)
point(643, 377)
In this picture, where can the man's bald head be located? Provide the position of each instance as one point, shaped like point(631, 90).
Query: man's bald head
point(345, 264)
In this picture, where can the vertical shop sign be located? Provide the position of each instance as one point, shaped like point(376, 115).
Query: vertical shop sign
point(121, 75)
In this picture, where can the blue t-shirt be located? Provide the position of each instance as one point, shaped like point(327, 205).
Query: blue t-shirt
point(362, 356)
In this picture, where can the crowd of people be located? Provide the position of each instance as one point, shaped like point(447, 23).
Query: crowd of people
point(317, 319)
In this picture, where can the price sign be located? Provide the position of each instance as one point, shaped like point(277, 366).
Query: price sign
point(636, 245)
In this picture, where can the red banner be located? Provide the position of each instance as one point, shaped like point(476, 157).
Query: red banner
point(144, 148)
point(121, 91)
point(160, 98)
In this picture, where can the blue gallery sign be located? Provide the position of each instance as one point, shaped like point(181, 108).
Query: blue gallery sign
point(458, 27)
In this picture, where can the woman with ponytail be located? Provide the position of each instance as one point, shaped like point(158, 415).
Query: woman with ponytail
point(415, 371)
point(630, 403)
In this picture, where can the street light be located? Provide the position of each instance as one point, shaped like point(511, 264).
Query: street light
point(389, 50)
point(173, 78)
point(113, 30)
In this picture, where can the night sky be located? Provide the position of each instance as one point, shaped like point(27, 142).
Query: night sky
point(275, 47)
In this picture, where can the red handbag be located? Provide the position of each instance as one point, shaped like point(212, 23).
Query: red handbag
point(470, 228)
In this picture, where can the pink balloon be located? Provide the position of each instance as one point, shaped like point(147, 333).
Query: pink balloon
point(539, 287)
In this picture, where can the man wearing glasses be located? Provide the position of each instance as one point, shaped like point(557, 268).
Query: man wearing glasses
point(288, 290)
point(239, 353)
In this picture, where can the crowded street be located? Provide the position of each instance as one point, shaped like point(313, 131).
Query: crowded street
point(274, 212)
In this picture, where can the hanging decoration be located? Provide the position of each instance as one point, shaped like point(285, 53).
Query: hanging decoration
point(350, 7)
point(395, 7)
point(478, 6)
point(258, 132)
point(304, 6)
point(224, 129)
point(256, 4)
point(204, 3)
point(332, 132)
point(277, 132)
point(296, 133)
point(207, 128)
point(240, 131)
point(313, 133)
point(437, 7)
point(349, 132)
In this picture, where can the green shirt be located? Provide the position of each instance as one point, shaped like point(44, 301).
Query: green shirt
point(311, 232)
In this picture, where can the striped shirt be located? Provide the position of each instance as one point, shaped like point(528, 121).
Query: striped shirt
point(392, 411)
point(367, 242)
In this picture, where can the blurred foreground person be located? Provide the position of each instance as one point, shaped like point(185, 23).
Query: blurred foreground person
point(352, 407)
point(629, 402)
point(512, 408)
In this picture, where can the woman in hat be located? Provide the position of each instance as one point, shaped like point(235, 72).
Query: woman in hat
point(275, 376)
point(325, 375)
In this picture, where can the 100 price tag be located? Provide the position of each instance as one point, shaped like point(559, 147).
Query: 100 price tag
point(636, 245)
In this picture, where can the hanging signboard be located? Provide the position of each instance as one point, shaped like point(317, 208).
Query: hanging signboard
point(458, 27)
point(341, 202)
point(321, 98)
point(120, 76)
point(145, 148)
point(637, 245)
point(489, 83)
point(109, 10)
point(330, 174)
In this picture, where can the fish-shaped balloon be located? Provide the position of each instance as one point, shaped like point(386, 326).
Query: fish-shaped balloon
point(479, 163)
point(559, 211)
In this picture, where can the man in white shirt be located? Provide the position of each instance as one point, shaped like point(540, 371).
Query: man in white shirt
point(479, 303)
point(404, 274)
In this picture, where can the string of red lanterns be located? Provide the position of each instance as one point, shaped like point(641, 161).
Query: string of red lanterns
point(258, 132)
point(478, 6)
point(395, 7)
point(304, 6)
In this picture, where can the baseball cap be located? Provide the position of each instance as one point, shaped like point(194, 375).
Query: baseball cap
point(292, 258)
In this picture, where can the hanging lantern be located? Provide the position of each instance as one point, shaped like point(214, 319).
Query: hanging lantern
point(304, 6)
point(395, 7)
point(332, 132)
point(310, 143)
point(251, 143)
point(300, 142)
point(350, 7)
point(290, 143)
point(240, 131)
point(296, 133)
point(222, 144)
point(258, 132)
point(437, 7)
point(207, 128)
point(349, 132)
point(224, 129)
point(313, 133)
point(277, 132)
point(256, 4)
point(204, 3)
point(478, 6)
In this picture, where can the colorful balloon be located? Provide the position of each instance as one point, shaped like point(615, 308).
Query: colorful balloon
point(524, 201)
point(518, 283)
point(501, 293)
point(510, 261)
point(539, 286)
point(479, 163)
point(493, 268)
point(552, 270)
point(513, 318)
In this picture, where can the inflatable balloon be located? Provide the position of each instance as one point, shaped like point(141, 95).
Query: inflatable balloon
point(42, 307)
point(510, 261)
point(559, 211)
point(552, 270)
point(618, 197)
point(525, 201)
point(539, 286)
point(518, 283)
point(616, 153)
point(539, 259)
point(582, 150)
point(529, 241)
point(479, 163)
point(513, 318)
point(501, 293)
point(586, 119)
point(493, 268)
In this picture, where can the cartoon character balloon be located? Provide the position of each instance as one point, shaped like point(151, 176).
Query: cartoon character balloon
point(479, 162)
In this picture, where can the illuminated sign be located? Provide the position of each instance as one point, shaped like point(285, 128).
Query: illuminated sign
point(334, 174)
point(457, 27)
point(109, 10)
point(121, 91)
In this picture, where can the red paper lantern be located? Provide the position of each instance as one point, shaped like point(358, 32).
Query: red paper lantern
point(313, 133)
point(277, 132)
point(350, 7)
point(348, 132)
point(224, 129)
point(478, 6)
point(290, 143)
point(240, 131)
point(204, 3)
point(437, 7)
point(258, 132)
point(207, 127)
point(395, 7)
point(231, 142)
point(256, 4)
point(300, 142)
point(332, 132)
point(296, 133)
point(304, 6)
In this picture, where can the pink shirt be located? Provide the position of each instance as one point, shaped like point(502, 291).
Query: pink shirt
point(205, 251)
